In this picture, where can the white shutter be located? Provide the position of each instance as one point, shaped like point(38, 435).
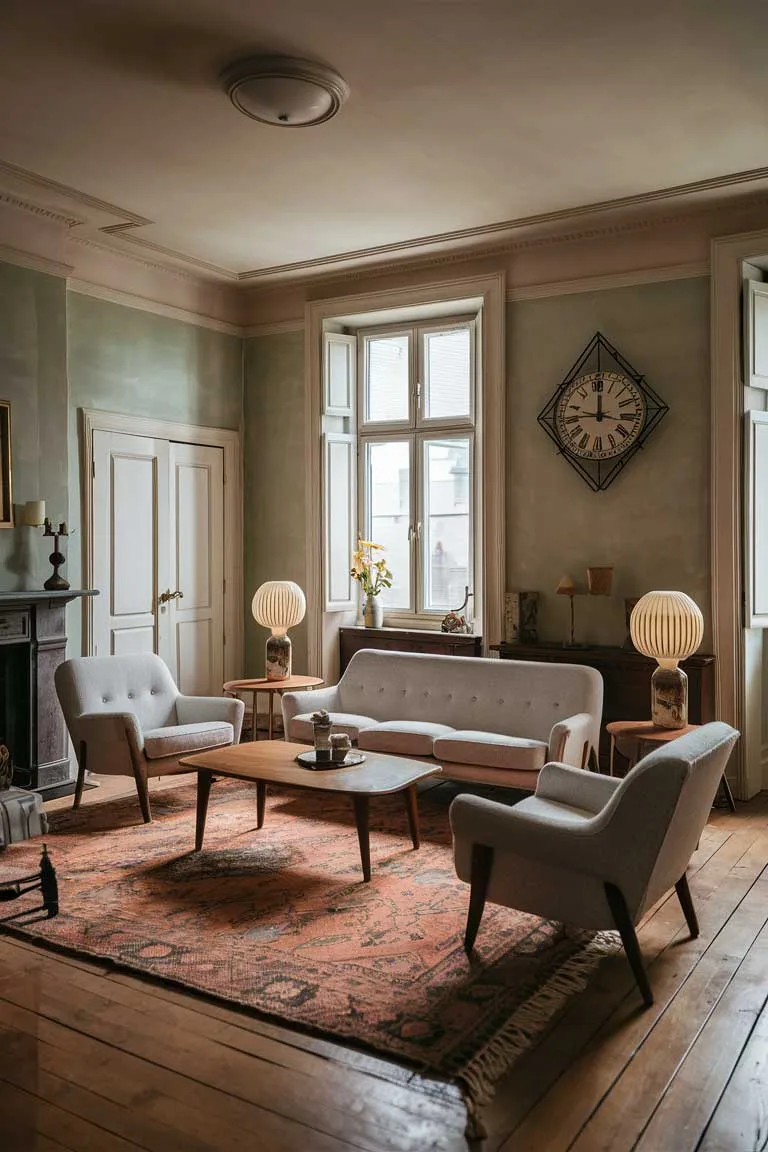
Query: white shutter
point(756, 520)
point(339, 492)
point(339, 356)
point(755, 334)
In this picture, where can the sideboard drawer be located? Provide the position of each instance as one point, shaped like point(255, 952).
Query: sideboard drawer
point(14, 627)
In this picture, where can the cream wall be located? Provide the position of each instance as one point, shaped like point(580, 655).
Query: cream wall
point(274, 498)
point(652, 524)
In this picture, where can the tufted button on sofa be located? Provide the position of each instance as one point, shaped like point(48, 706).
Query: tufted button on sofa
point(490, 721)
point(126, 717)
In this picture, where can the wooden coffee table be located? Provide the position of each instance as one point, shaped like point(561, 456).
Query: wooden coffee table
point(273, 762)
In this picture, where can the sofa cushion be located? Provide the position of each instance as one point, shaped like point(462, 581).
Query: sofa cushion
point(403, 737)
point(491, 750)
point(300, 727)
point(180, 739)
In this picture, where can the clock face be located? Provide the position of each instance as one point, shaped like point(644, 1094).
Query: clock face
point(600, 415)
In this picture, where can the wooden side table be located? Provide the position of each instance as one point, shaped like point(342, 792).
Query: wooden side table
point(634, 739)
point(271, 687)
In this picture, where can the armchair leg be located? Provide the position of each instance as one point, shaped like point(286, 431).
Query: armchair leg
point(140, 775)
point(623, 922)
point(686, 903)
point(81, 758)
point(482, 862)
point(728, 794)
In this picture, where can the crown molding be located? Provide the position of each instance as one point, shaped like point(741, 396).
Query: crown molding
point(156, 307)
point(694, 270)
point(22, 259)
point(124, 218)
point(278, 328)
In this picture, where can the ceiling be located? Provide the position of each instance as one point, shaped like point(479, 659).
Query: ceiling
point(462, 113)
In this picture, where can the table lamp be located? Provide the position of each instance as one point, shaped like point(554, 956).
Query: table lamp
point(279, 605)
point(668, 627)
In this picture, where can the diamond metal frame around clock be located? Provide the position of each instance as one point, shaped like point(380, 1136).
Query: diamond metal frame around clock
point(600, 356)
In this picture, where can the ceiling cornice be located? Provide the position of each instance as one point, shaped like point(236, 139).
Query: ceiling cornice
point(92, 220)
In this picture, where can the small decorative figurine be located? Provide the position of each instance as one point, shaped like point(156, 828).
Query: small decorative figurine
point(321, 730)
point(454, 621)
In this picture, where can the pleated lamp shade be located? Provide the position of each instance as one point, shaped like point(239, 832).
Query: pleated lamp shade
point(668, 626)
point(279, 605)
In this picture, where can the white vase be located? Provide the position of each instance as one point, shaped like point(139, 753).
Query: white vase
point(373, 612)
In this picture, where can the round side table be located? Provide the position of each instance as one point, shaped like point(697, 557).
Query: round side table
point(271, 687)
point(634, 739)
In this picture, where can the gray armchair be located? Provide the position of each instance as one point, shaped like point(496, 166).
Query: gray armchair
point(592, 850)
point(126, 717)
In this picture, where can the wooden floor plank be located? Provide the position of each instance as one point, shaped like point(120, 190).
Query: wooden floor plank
point(740, 1120)
point(58, 1124)
point(341, 1116)
point(566, 1078)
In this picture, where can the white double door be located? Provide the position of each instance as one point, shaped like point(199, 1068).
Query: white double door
point(158, 543)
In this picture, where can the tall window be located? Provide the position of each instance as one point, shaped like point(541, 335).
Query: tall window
point(416, 429)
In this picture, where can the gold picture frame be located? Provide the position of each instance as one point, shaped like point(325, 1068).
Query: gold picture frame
point(6, 479)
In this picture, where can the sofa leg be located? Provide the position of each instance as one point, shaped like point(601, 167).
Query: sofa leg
point(482, 862)
point(81, 758)
point(623, 922)
point(686, 903)
point(140, 775)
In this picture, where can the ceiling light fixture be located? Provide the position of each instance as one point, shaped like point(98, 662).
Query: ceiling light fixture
point(284, 90)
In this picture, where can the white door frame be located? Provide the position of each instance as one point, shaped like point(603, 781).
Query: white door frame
point(727, 497)
point(92, 420)
point(491, 288)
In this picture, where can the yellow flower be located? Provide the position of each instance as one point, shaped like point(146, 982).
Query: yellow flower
point(370, 544)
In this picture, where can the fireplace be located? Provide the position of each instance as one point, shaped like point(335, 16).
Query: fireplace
point(33, 641)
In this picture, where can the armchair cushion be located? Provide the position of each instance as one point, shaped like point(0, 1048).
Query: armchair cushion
point(180, 739)
point(491, 750)
point(402, 737)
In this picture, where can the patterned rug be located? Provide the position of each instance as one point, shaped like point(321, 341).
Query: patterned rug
point(280, 921)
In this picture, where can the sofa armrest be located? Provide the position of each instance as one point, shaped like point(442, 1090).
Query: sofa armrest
point(567, 785)
point(571, 739)
point(201, 709)
point(297, 703)
point(110, 728)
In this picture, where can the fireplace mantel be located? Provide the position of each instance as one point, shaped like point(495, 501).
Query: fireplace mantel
point(33, 642)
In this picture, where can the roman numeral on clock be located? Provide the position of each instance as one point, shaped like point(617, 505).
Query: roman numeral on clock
point(598, 444)
point(622, 431)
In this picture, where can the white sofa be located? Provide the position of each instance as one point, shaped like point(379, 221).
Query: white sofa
point(491, 721)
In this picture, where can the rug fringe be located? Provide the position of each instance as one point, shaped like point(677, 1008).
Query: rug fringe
point(525, 1025)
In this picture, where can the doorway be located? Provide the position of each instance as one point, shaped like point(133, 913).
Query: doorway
point(162, 513)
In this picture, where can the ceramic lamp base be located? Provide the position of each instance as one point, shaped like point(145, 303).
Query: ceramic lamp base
point(278, 658)
point(669, 698)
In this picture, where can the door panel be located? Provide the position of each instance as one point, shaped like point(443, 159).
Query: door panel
point(130, 541)
point(196, 618)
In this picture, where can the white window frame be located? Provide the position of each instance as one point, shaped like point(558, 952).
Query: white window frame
point(417, 430)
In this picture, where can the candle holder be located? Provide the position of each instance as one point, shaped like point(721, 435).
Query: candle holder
point(56, 583)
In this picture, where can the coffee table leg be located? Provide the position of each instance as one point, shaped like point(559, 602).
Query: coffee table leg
point(361, 817)
point(261, 800)
point(203, 792)
point(411, 807)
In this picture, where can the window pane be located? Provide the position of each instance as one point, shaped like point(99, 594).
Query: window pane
point(447, 515)
point(447, 374)
point(388, 477)
point(386, 378)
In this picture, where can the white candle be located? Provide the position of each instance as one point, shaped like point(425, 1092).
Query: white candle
point(34, 513)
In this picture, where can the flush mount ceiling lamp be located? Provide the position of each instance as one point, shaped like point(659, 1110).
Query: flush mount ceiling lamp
point(285, 90)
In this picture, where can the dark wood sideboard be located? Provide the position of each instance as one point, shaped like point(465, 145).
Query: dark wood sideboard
point(627, 681)
point(33, 642)
point(406, 640)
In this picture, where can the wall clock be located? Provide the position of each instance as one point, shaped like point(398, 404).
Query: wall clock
point(601, 414)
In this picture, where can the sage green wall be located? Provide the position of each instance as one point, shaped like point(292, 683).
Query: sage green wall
point(125, 360)
point(652, 524)
point(275, 504)
point(33, 377)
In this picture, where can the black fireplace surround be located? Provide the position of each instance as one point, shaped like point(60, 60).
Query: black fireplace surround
point(33, 642)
